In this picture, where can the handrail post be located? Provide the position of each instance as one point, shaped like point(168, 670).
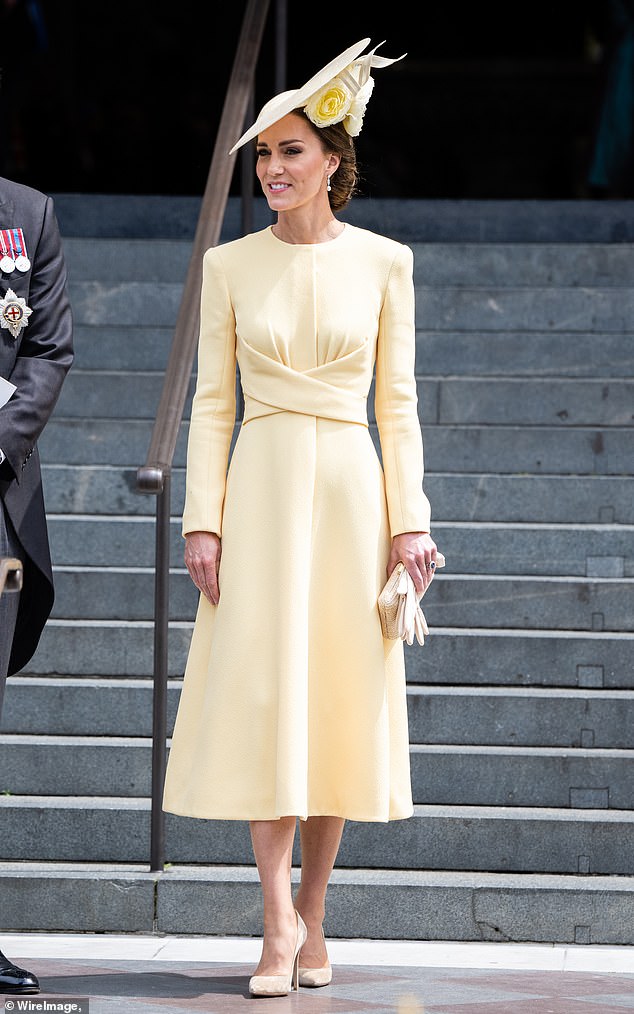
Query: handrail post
point(246, 179)
point(281, 44)
point(154, 477)
point(159, 704)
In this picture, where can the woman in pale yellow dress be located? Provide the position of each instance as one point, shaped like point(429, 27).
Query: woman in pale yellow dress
point(293, 704)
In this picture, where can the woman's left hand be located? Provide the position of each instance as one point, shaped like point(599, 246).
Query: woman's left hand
point(417, 551)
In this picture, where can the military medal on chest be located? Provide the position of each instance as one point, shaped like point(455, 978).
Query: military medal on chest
point(13, 251)
point(7, 264)
point(14, 313)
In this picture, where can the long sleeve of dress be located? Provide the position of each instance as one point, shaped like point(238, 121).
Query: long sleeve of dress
point(396, 403)
point(214, 404)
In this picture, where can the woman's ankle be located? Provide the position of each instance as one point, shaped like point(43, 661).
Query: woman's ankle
point(281, 921)
point(312, 911)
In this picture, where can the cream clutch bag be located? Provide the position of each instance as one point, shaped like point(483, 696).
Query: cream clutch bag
point(399, 606)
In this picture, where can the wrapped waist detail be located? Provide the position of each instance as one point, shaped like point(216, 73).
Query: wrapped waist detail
point(269, 387)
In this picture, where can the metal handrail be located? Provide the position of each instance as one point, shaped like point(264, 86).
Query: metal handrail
point(154, 476)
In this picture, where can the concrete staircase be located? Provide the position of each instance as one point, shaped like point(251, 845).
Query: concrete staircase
point(521, 702)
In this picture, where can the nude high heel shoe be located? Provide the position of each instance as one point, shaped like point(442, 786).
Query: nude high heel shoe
point(281, 985)
point(312, 977)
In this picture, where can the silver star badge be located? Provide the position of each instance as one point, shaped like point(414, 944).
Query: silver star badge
point(14, 313)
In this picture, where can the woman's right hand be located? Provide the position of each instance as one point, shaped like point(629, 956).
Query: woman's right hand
point(202, 559)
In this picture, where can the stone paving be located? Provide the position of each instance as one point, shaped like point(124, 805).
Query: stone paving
point(133, 978)
point(178, 986)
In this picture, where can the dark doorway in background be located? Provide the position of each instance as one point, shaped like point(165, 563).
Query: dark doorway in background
point(492, 101)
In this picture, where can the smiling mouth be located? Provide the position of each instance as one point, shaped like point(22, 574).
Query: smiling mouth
point(278, 186)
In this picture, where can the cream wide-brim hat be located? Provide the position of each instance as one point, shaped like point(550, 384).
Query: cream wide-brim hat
point(284, 103)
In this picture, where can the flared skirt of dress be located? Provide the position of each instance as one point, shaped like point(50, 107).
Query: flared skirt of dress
point(292, 701)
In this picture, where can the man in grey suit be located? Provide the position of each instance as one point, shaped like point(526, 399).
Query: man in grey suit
point(36, 352)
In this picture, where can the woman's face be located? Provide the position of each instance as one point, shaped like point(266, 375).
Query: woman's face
point(292, 166)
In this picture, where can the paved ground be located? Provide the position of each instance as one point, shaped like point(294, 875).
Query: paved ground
point(157, 975)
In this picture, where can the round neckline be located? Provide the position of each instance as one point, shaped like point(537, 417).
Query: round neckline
point(308, 246)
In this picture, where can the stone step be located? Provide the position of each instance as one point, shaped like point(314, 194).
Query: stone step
point(564, 499)
point(102, 442)
point(114, 394)
point(487, 912)
point(109, 260)
point(134, 216)
point(481, 353)
point(454, 308)
point(525, 401)
point(522, 776)
point(460, 264)
point(530, 449)
point(520, 353)
point(131, 347)
point(443, 774)
point(457, 656)
point(414, 220)
point(591, 308)
point(531, 603)
point(523, 264)
point(489, 839)
point(107, 647)
point(75, 765)
point(127, 593)
point(68, 706)
point(460, 656)
point(104, 490)
point(454, 401)
point(462, 449)
point(520, 716)
point(409, 220)
point(504, 548)
point(111, 489)
point(506, 716)
point(471, 547)
point(125, 303)
point(373, 904)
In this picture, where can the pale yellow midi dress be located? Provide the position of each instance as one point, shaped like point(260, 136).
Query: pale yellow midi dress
point(292, 701)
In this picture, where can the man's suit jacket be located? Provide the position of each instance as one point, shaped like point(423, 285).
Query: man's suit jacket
point(36, 362)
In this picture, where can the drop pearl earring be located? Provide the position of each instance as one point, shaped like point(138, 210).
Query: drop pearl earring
point(328, 187)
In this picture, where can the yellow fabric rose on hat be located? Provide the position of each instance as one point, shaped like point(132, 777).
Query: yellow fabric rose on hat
point(329, 105)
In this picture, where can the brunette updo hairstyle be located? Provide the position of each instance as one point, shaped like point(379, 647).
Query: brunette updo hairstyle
point(336, 139)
